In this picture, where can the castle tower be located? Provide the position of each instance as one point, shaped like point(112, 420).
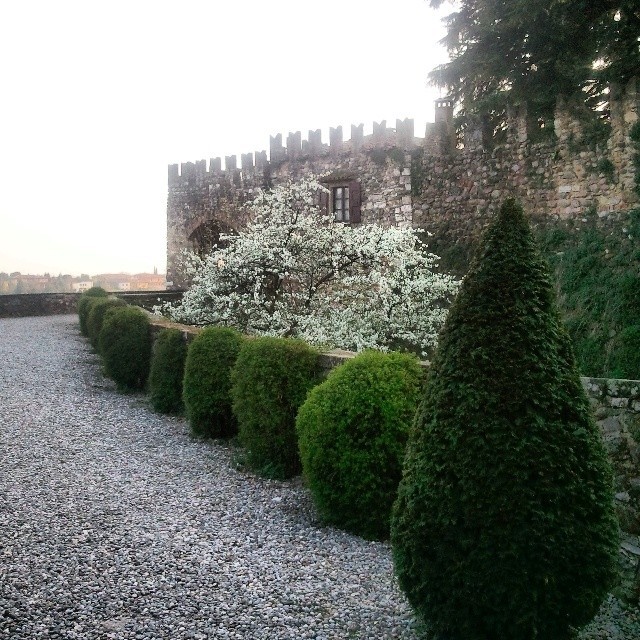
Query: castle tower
point(444, 111)
point(444, 124)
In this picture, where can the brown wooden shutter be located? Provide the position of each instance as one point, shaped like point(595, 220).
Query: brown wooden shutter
point(355, 201)
point(324, 203)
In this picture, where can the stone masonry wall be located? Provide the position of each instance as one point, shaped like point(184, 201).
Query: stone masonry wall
point(49, 304)
point(616, 404)
point(381, 163)
point(37, 304)
point(426, 182)
point(562, 177)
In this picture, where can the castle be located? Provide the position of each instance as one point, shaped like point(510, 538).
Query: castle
point(392, 177)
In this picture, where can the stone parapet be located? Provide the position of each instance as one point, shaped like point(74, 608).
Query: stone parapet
point(20, 305)
point(616, 404)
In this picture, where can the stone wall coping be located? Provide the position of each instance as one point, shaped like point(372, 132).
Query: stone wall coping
point(333, 357)
point(329, 359)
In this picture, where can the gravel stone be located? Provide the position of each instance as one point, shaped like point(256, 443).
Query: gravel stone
point(116, 524)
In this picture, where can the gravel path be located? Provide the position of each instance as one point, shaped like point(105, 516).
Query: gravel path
point(114, 523)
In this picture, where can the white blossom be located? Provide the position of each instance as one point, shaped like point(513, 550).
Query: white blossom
point(295, 272)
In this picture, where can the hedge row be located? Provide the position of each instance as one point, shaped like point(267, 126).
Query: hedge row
point(346, 434)
point(502, 523)
point(120, 334)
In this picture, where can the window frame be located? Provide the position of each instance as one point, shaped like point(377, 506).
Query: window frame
point(351, 206)
point(342, 211)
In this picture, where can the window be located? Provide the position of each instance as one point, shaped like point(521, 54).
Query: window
point(343, 201)
point(340, 203)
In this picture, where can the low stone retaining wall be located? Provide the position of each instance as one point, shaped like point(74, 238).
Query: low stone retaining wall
point(617, 409)
point(328, 360)
point(149, 299)
point(19, 305)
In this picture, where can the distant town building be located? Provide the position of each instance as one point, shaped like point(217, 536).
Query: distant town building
point(82, 286)
point(16, 282)
point(148, 281)
point(128, 282)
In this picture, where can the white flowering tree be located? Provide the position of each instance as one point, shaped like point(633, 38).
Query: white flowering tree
point(295, 272)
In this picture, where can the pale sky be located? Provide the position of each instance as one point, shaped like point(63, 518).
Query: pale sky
point(97, 98)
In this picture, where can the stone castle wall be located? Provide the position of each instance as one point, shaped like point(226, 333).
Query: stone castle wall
point(428, 182)
point(616, 404)
point(561, 177)
point(380, 162)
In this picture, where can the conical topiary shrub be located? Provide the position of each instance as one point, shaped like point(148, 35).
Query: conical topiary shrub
point(504, 526)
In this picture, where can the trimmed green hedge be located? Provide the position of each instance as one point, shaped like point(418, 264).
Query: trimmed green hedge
point(125, 346)
point(84, 306)
point(96, 292)
point(95, 319)
point(207, 382)
point(352, 431)
point(167, 371)
point(504, 524)
point(271, 379)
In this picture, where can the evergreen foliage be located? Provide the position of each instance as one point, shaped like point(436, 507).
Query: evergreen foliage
point(167, 371)
point(597, 270)
point(596, 267)
point(634, 134)
point(507, 53)
point(504, 524)
point(270, 381)
point(95, 318)
point(207, 382)
point(84, 306)
point(627, 354)
point(352, 431)
point(96, 292)
point(125, 346)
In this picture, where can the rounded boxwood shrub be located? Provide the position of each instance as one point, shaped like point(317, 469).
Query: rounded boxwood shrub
point(125, 346)
point(97, 311)
point(206, 389)
point(167, 371)
point(270, 381)
point(96, 292)
point(84, 305)
point(504, 524)
point(352, 430)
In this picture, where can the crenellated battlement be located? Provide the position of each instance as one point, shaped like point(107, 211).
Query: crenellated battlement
point(402, 136)
point(433, 181)
point(439, 137)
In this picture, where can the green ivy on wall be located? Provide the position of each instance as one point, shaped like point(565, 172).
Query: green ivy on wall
point(596, 264)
